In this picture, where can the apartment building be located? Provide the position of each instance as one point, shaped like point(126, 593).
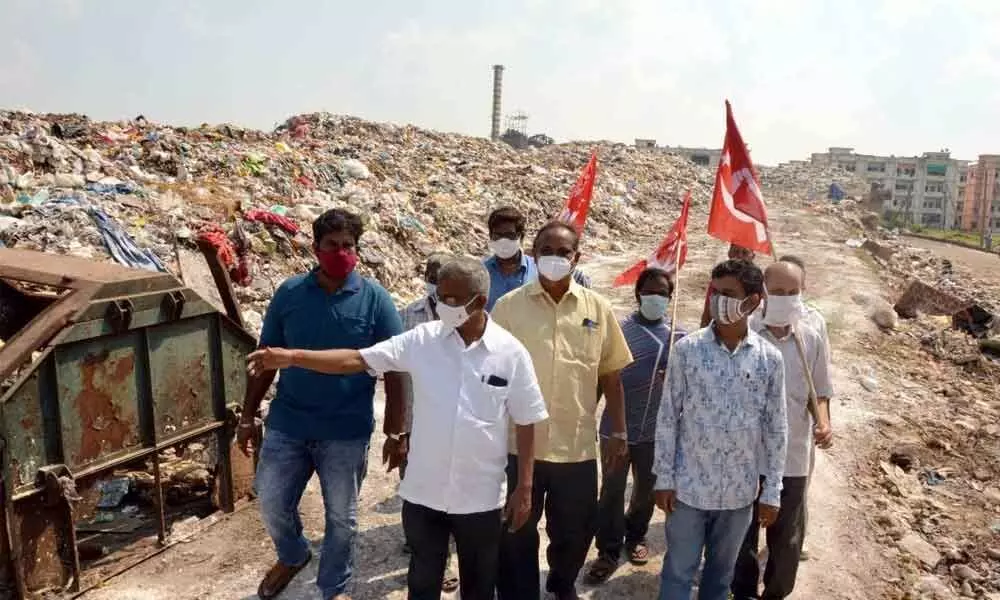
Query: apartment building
point(981, 208)
point(928, 190)
point(706, 157)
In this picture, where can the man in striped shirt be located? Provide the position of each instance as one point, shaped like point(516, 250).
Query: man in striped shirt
point(647, 332)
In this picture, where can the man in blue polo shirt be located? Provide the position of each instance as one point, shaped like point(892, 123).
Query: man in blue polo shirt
point(509, 267)
point(320, 423)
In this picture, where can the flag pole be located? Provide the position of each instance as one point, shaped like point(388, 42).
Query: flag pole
point(812, 402)
point(673, 308)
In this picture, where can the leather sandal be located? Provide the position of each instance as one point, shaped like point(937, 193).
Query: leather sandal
point(639, 554)
point(278, 577)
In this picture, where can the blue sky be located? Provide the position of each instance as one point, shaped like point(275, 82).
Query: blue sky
point(883, 76)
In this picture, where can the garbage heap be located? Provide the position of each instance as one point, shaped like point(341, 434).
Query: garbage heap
point(813, 181)
point(131, 190)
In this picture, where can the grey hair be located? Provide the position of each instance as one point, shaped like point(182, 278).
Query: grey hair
point(468, 270)
point(434, 261)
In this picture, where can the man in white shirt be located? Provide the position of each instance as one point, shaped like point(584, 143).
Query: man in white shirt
point(811, 316)
point(420, 311)
point(781, 324)
point(469, 376)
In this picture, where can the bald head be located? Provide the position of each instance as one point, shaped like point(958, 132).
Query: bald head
point(783, 279)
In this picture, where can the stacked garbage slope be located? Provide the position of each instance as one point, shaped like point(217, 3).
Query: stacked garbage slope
point(131, 191)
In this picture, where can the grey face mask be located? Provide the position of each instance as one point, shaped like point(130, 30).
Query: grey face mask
point(726, 310)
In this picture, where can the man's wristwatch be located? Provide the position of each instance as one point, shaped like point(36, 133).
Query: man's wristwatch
point(619, 436)
point(396, 436)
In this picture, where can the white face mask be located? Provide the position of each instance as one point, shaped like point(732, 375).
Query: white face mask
point(554, 268)
point(431, 289)
point(653, 306)
point(505, 248)
point(782, 310)
point(453, 317)
point(726, 310)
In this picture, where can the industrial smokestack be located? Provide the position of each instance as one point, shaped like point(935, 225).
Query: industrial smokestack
point(497, 93)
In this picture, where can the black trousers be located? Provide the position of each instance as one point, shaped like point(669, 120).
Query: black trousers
point(477, 538)
point(784, 545)
point(567, 493)
point(614, 523)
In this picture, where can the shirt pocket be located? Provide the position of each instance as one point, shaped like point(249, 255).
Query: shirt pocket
point(354, 332)
point(488, 403)
point(583, 343)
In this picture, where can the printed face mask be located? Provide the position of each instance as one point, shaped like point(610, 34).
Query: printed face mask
point(782, 310)
point(505, 248)
point(554, 268)
point(653, 306)
point(337, 264)
point(453, 317)
point(726, 310)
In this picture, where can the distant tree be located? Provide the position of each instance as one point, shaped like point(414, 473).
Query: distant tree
point(540, 139)
point(516, 139)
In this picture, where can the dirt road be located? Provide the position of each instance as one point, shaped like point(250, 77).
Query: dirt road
point(227, 560)
point(978, 261)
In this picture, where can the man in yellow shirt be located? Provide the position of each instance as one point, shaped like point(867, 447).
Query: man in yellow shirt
point(576, 345)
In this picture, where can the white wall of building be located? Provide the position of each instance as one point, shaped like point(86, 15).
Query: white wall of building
point(927, 190)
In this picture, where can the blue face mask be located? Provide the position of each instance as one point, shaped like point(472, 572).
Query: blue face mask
point(653, 306)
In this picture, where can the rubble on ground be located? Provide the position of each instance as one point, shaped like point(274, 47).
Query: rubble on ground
point(133, 189)
point(937, 501)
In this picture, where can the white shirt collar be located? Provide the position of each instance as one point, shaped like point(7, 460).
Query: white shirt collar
point(491, 338)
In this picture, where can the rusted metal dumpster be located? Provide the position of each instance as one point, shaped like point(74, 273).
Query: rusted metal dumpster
point(104, 370)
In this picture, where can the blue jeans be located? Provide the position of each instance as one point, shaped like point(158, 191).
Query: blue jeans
point(286, 464)
point(690, 530)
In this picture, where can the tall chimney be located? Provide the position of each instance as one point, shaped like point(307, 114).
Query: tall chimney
point(497, 93)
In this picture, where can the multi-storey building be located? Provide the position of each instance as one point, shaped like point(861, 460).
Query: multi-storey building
point(981, 210)
point(927, 190)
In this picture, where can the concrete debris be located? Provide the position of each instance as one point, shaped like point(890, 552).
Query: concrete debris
point(920, 549)
point(965, 573)
point(419, 191)
point(930, 587)
point(940, 460)
point(878, 310)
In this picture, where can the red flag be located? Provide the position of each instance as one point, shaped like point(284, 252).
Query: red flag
point(578, 202)
point(669, 255)
point(738, 215)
